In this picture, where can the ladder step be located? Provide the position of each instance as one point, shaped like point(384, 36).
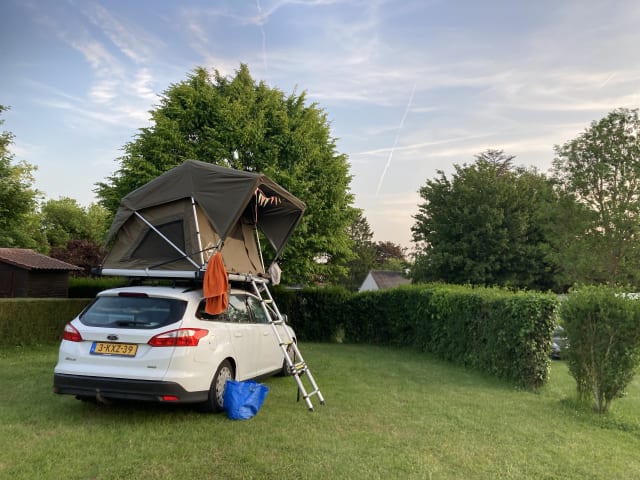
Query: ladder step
point(310, 394)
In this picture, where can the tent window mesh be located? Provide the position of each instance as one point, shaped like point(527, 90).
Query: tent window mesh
point(154, 246)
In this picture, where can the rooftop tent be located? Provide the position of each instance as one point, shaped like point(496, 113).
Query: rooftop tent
point(173, 224)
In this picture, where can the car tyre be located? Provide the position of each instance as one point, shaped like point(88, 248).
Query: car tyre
point(215, 401)
point(285, 372)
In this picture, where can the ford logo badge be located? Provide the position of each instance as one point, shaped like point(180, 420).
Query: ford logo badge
point(112, 337)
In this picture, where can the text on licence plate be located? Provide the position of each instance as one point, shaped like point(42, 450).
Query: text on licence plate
point(104, 348)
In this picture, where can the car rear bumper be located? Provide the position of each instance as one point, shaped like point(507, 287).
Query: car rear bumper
point(125, 389)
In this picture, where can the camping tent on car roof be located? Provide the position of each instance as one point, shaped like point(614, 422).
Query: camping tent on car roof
point(170, 226)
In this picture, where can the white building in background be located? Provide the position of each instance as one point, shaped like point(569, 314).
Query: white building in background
point(381, 279)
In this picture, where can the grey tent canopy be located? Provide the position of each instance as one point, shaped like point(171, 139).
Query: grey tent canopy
point(172, 225)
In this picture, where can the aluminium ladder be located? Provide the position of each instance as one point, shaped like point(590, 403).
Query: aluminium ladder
point(296, 365)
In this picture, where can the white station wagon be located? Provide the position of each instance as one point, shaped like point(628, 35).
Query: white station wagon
point(157, 344)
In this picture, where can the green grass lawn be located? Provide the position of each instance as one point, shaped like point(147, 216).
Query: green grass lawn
point(390, 413)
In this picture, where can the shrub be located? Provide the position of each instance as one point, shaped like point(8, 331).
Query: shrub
point(603, 330)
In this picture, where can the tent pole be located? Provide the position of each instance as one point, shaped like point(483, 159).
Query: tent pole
point(167, 240)
point(255, 230)
point(195, 219)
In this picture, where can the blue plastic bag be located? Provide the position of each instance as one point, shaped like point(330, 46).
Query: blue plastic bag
point(242, 400)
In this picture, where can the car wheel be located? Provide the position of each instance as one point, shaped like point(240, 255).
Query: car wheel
point(215, 402)
point(285, 372)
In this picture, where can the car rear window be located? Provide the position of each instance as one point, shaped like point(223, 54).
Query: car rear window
point(133, 312)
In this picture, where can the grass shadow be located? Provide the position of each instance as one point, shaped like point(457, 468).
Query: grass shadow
point(583, 411)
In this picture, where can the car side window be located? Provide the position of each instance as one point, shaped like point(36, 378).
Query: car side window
point(236, 312)
point(257, 311)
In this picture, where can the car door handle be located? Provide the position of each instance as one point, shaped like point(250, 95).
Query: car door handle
point(237, 334)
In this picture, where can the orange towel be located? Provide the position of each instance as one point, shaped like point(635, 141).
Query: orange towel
point(215, 286)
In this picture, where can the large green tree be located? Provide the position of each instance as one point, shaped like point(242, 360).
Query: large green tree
point(600, 172)
point(391, 256)
point(65, 219)
point(18, 198)
point(75, 234)
point(486, 225)
point(245, 125)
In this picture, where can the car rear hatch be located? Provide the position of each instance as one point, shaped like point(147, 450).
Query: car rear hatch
point(115, 332)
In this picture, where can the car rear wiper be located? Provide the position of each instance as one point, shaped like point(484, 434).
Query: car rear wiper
point(131, 323)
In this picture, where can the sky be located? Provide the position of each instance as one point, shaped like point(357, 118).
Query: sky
point(409, 87)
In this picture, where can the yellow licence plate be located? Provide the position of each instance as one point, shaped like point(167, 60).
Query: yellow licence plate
point(124, 349)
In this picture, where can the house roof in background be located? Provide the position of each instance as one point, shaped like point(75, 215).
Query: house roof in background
point(31, 260)
point(388, 278)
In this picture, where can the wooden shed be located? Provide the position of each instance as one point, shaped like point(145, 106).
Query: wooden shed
point(26, 273)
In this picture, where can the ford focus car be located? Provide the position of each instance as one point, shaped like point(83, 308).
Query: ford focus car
point(158, 344)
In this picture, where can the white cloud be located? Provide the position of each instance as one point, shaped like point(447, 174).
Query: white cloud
point(117, 94)
point(131, 40)
point(104, 91)
point(143, 83)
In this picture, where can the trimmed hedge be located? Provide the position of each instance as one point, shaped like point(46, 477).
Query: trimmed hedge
point(317, 314)
point(32, 321)
point(89, 287)
point(505, 334)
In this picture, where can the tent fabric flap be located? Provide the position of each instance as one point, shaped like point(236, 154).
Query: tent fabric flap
point(178, 219)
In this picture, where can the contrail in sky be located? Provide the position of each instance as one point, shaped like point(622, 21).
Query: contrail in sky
point(264, 41)
point(406, 112)
point(608, 79)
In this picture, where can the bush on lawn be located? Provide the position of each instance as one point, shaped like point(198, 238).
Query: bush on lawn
point(603, 330)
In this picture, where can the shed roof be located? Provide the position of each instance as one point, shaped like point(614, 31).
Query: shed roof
point(31, 260)
point(388, 278)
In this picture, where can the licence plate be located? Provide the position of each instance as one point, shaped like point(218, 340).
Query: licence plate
point(122, 349)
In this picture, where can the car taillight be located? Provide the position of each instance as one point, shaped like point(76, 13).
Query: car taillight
point(183, 337)
point(71, 333)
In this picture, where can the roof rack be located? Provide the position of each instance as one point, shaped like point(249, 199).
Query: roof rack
point(194, 275)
